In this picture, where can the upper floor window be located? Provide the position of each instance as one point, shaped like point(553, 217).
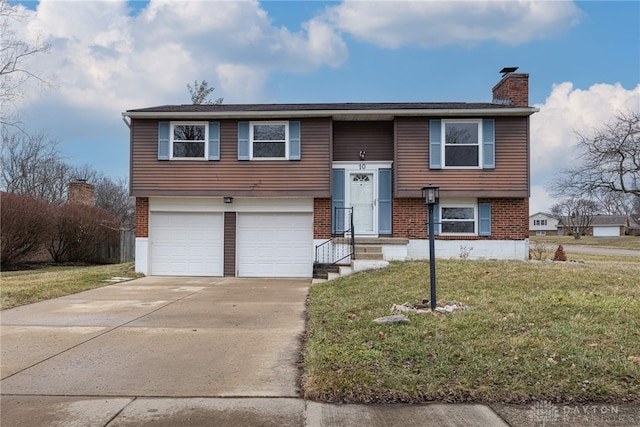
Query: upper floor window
point(269, 140)
point(539, 222)
point(462, 142)
point(188, 140)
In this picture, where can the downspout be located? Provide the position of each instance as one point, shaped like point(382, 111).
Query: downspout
point(126, 122)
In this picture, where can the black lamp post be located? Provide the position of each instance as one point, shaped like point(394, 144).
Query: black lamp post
point(430, 193)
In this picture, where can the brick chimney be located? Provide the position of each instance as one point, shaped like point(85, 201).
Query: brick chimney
point(80, 192)
point(513, 89)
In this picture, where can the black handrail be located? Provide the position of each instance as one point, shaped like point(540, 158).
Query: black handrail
point(331, 252)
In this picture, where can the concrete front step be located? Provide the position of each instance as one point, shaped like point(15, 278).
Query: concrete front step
point(369, 256)
point(369, 249)
point(369, 252)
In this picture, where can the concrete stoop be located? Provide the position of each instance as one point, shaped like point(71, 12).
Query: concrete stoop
point(357, 266)
point(368, 256)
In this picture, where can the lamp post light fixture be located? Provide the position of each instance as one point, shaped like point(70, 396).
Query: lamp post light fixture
point(431, 193)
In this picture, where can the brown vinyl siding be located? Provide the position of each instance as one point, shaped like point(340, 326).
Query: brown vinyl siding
point(309, 176)
point(230, 244)
point(510, 178)
point(375, 138)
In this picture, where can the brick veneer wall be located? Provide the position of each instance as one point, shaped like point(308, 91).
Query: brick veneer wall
point(322, 218)
point(509, 219)
point(142, 217)
point(409, 218)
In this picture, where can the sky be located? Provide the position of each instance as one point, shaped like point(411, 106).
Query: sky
point(583, 61)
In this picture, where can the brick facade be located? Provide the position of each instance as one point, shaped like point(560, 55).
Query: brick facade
point(409, 218)
point(142, 217)
point(509, 219)
point(322, 218)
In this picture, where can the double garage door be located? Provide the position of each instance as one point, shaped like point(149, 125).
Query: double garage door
point(263, 244)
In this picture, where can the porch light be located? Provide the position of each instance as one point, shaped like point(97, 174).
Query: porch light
point(430, 194)
point(228, 199)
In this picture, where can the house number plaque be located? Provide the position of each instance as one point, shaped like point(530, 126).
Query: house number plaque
point(363, 166)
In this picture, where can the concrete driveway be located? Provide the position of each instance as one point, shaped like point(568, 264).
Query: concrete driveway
point(178, 352)
point(157, 337)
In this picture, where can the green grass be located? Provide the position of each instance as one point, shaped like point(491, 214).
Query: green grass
point(622, 242)
point(556, 331)
point(29, 286)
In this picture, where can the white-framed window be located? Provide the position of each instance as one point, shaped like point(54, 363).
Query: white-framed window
point(459, 217)
point(540, 222)
point(188, 140)
point(269, 140)
point(541, 233)
point(462, 147)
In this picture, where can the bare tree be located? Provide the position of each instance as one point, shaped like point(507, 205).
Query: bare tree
point(14, 53)
point(113, 196)
point(577, 214)
point(635, 209)
point(33, 165)
point(200, 92)
point(609, 161)
point(614, 203)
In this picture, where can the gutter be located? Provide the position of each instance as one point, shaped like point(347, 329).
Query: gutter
point(335, 114)
point(126, 122)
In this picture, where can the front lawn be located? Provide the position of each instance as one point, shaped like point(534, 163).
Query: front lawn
point(564, 332)
point(29, 286)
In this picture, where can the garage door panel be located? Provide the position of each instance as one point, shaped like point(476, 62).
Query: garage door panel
point(186, 244)
point(275, 245)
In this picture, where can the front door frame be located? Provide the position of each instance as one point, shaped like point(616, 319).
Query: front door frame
point(352, 168)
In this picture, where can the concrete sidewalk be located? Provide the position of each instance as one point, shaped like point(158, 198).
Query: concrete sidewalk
point(178, 351)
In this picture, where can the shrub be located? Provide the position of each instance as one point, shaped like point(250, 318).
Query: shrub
point(26, 226)
point(79, 231)
point(560, 255)
point(539, 251)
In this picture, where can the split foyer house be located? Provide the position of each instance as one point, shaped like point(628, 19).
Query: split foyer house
point(543, 224)
point(250, 190)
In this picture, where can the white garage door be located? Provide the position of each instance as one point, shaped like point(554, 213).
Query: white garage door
point(186, 244)
point(606, 231)
point(275, 244)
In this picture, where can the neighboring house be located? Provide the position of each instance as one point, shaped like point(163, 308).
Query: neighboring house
point(250, 190)
point(542, 224)
point(634, 227)
point(602, 226)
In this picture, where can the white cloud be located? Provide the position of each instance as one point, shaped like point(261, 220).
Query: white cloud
point(568, 110)
point(540, 200)
point(244, 82)
point(106, 60)
point(438, 23)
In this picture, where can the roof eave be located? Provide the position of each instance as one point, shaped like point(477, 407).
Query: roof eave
point(335, 114)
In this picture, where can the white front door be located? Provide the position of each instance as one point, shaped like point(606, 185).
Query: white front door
point(362, 199)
